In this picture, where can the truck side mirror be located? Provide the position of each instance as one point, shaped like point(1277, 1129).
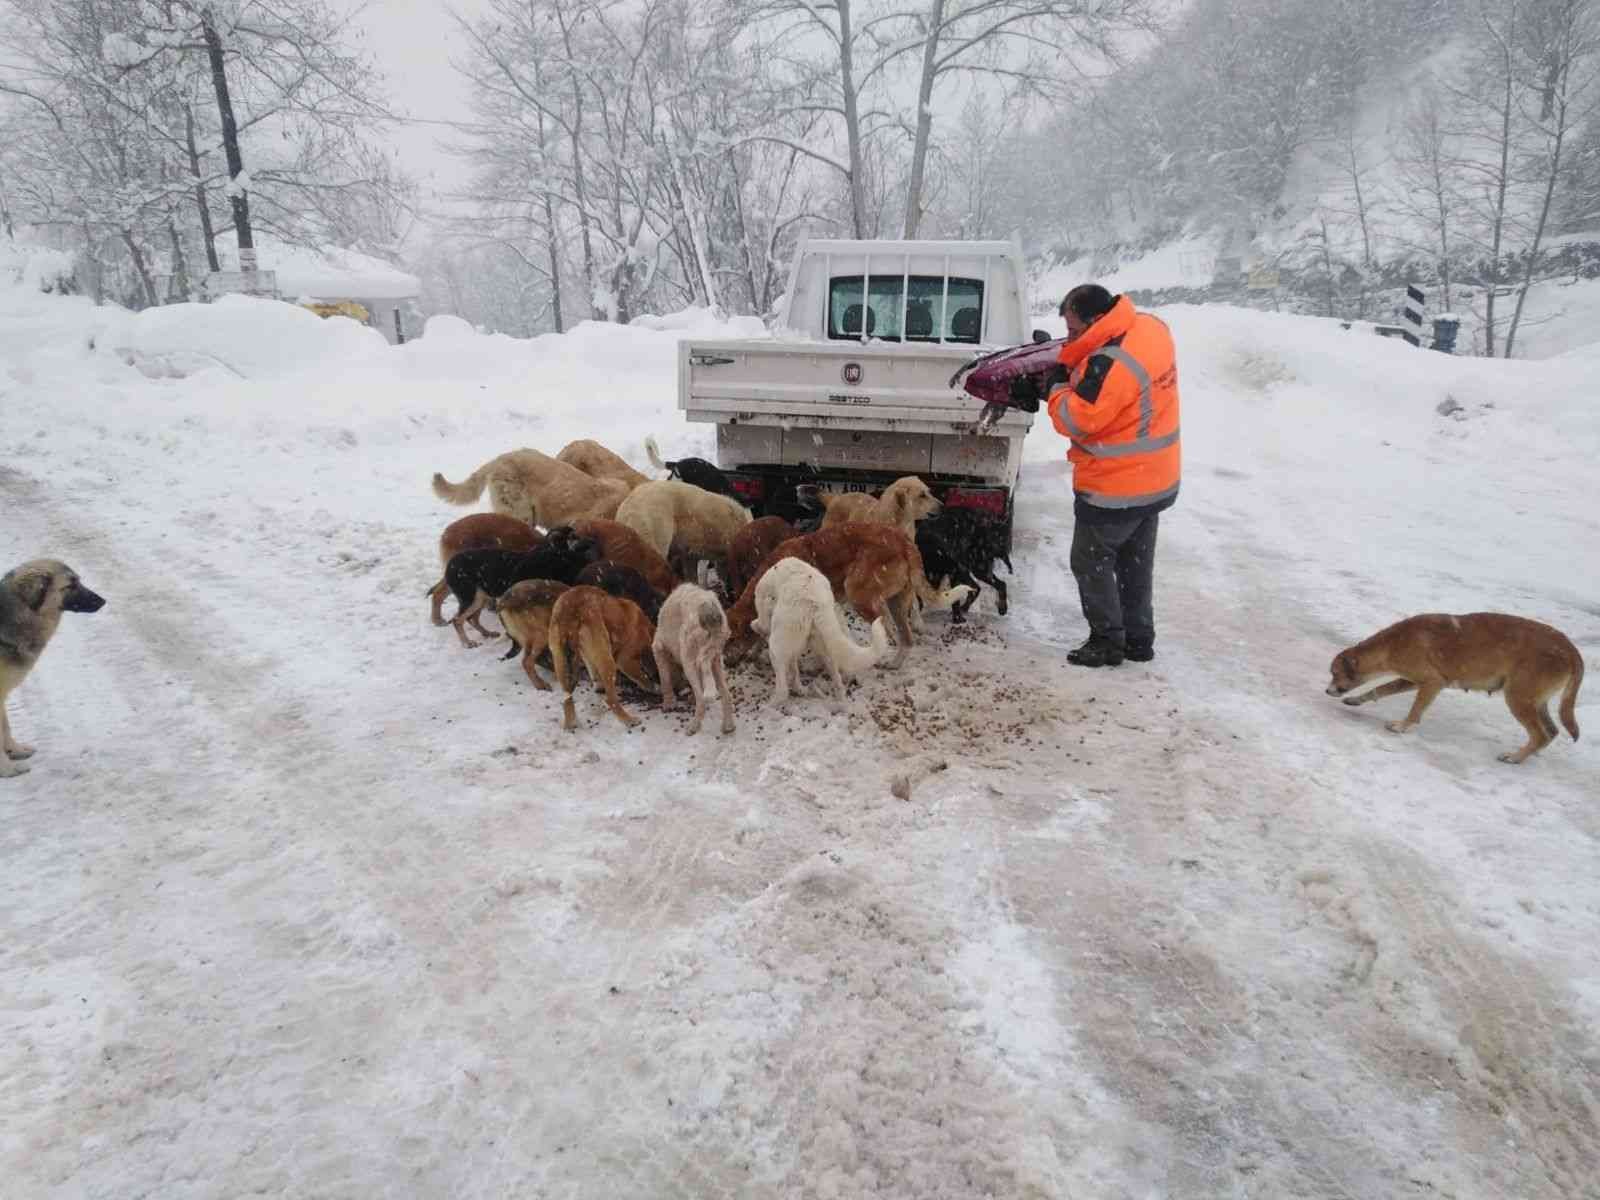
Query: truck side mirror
point(1040, 335)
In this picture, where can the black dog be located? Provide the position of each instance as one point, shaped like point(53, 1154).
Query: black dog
point(703, 475)
point(964, 545)
point(622, 581)
point(478, 576)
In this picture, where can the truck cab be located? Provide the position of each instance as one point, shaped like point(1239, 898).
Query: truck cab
point(853, 388)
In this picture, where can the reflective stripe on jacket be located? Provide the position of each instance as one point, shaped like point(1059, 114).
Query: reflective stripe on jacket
point(1120, 408)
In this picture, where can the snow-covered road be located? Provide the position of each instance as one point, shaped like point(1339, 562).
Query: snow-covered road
point(305, 900)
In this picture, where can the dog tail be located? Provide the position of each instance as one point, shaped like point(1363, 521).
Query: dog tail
point(938, 599)
point(710, 615)
point(851, 658)
point(654, 451)
point(1569, 698)
point(466, 492)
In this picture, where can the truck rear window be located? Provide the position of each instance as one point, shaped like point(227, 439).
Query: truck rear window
point(927, 315)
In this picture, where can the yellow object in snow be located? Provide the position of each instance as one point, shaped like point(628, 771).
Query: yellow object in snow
point(342, 308)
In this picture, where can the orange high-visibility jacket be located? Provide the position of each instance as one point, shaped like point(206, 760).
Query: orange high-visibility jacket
point(1120, 408)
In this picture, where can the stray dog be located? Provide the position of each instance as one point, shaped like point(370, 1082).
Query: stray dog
point(874, 567)
point(618, 580)
point(904, 502)
point(524, 610)
point(677, 518)
point(480, 531)
point(691, 470)
point(622, 545)
point(750, 545)
point(595, 460)
point(535, 488)
point(32, 599)
point(962, 546)
point(1475, 652)
point(479, 576)
point(610, 634)
point(795, 609)
point(692, 633)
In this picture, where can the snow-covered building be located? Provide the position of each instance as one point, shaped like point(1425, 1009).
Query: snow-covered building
point(334, 275)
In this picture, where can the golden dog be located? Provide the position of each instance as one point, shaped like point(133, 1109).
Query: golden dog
point(525, 609)
point(903, 503)
point(1486, 652)
point(535, 488)
point(595, 460)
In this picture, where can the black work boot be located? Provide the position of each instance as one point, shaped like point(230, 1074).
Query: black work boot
point(1140, 650)
point(1096, 652)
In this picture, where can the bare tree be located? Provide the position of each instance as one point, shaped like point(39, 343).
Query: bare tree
point(1425, 158)
point(1559, 48)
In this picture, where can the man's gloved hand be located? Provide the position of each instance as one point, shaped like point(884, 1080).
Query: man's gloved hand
point(1025, 393)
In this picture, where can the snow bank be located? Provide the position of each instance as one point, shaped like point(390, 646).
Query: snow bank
point(700, 322)
point(245, 336)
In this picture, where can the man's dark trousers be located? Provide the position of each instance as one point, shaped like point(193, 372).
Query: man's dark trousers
point(1114, 562)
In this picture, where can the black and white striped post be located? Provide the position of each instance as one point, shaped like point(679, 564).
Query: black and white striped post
point(1415, 301)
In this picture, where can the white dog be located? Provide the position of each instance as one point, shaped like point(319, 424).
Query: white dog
point(691, 632)
point(794, 609)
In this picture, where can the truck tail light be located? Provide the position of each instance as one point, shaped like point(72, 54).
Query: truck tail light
point(984, 500)
point(750, 489)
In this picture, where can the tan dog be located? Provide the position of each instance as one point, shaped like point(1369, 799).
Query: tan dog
point(525, 610)
point(875, 567)
point(610, 634)
point(1484, 652)
point(32, 599)
point(677, 518)
point(595, 460)
point(535, 488)
point(903, 503)
point(691, 633)
point(750, 545)
point(480, 531)
point(622, 545)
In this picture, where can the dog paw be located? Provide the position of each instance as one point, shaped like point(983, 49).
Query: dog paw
point(1397, 726)
point(1352, 701)
point(19, 751)
point(727, 728)
point(9, 769)
point(1510, 757)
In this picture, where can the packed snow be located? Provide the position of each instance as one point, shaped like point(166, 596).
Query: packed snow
point(307, 900)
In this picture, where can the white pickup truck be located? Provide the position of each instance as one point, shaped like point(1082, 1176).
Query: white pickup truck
point(853, 388)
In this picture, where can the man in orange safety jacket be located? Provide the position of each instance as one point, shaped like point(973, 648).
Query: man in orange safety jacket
point(1115, 395)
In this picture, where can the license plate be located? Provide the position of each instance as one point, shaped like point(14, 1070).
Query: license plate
point(836, 487)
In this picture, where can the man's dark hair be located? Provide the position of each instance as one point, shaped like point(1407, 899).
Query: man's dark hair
point(1088, 302)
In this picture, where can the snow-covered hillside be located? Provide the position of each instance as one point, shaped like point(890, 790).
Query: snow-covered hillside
point(306, 900)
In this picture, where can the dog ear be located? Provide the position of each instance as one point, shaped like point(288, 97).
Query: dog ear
point(33, 589)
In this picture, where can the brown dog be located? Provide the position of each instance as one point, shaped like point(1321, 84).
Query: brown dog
point(874, 567)
point(525, 610)
point(752, 544)
point(622, 545)
point(480, 531)
point(595, 460)
point(535, 488)
point(610, 634)
point(1484, 652)
point(903, 503)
